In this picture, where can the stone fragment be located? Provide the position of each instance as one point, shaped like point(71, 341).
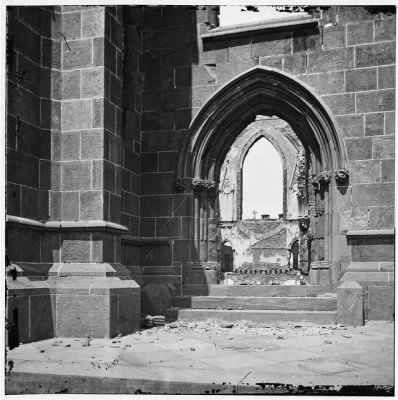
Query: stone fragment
point(350, 304)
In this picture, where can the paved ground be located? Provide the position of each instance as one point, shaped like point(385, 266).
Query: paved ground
point(224, 354)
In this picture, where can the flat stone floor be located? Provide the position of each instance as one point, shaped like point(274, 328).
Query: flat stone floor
point(241, 353)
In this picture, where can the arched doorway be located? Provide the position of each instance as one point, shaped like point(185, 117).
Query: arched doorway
point(259, 91)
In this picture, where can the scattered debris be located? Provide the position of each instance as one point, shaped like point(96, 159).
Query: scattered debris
point(88, 341)
point(155, 320)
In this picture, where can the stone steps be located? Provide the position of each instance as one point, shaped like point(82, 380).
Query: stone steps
point(263, 316)
point(257, 290)
point(258, 303)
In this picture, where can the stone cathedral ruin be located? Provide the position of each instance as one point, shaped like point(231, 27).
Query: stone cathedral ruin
point(127, 133)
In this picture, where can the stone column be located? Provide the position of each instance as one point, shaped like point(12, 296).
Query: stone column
point(84, 236)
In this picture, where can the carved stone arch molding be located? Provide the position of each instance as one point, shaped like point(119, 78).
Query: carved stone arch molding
point(258, 91)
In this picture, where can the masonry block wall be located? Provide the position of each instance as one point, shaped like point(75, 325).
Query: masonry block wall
point(28, 125)
point(170, 39)
point(350, 65)
point(77, 242)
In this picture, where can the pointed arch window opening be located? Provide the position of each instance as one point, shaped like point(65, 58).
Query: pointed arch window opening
point(262, 182)
point(288, 193)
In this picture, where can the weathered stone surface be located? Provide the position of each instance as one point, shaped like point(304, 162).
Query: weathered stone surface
point(168, 227)
point(359, 149)
point(76, 175)
point(28, 240)
point(295, 63)
point(378, 249)
point(130, 203)
point(388, 170)
point(360, 33)
point(92, 144)
point(381, 218)
point(385, 29)
point(93, 22)
point(79, 55)
point(331, 60)
point(325, 82)
point(76, 115)
point(375, 54)
point(381, 100)
point(354, 219)
point(389, 123)
point(70, 146)
point(374, 124)
point(71, 25)
point(386, 77)
point(147, 227)
point(374, 194)
point(93, 82)
point(272, 62)
point(341, 103)
point(91, 205)
point(50, 247)
point(239, 49)
point(367, 171)
point(42, 317)
point(155, 254)
point(18, 313)
point(381, 303)
point(350, 304)
point(30, 203)
point(227, 71)
point(361, 79)
point(274, 44)
point(115, 204)
point(351, 125)
point(334, 37)
point(384, 147)
point(306, 40)
point(79, 315)
point(75, 247)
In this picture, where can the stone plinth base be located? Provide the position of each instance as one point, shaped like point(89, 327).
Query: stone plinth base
point(75, 300)
point(350, 304)
point(320, 273)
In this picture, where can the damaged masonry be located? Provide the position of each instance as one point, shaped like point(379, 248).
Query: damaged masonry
point(138, 223)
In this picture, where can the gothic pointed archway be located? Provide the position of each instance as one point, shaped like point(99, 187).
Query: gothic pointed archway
point(267, 92)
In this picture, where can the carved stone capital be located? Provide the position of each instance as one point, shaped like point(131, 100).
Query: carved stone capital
point(304, 223)
point(179, 185)
point(203, 184)
point(324, 177)
point(342, 175)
